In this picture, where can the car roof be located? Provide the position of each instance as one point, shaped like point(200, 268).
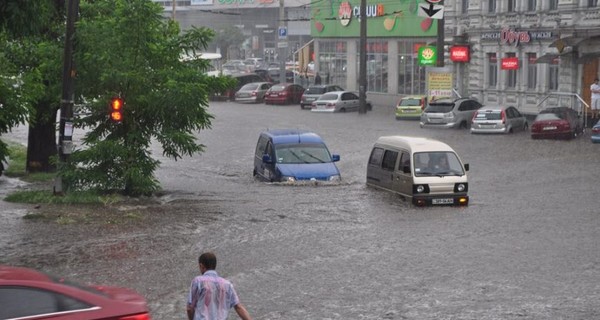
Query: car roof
point(415, 144)
point(491, 108)
point(280, 136)
point(19, 273)
point(557, 109)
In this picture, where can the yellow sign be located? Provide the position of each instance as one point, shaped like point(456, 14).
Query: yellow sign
point(439, 84)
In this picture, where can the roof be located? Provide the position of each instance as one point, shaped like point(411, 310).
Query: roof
point(415, 144)
point(281, 136)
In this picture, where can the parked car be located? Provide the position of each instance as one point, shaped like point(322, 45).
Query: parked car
point(286, 93)
point(449, 113)
point(242, 79)
point(338, 101)
point(556, 122)
point(595, 133)
point(422, 170)
point(252, 92)
point(29, 294)
point(498, 119)
point(274, 73)
point(290, 155)
point(313, 93)
point(410, 107)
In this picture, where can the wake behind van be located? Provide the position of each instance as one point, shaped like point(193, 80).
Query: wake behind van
point(422, 170)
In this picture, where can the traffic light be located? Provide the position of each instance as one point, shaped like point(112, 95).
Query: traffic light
point(116, 109)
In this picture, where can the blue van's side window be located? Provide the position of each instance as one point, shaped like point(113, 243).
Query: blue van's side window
point(260, 146)
point(389, 160)
point(376, 156)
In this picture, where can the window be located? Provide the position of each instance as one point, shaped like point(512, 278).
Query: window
point(389, 160)
point(531, 71)
point(333, 61)
point(553, 74)
point(39, 302)
point(376, 156)
point(492, 6)
point(511, 6)
point(592, 3)
point(492, 70)
point(411, 76)
point(377, 65)
point(465, 6)
point(511, 75)
point(552, 4)
point(531, 4)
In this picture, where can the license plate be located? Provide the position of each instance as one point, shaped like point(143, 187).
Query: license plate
point(550, 128)
point(442, 201)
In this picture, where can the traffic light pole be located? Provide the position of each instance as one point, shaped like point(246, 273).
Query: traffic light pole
point(65, 136)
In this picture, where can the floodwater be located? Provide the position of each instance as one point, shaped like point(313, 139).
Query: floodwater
point(525, 248)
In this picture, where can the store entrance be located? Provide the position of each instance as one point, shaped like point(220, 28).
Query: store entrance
point(590, 72)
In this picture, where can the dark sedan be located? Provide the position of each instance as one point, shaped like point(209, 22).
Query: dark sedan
point(556, 122)
point(286, 93)
point(30, 294)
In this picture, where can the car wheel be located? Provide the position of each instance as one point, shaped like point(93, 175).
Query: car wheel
point(343, 110)
point(301, 106)
point(369, 107)
point(463, 125)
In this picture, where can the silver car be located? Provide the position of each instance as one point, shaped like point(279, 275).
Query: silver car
point(252, 92)
point(449, 113)
point(498, 119)
point(313, 93)
point(338, 101)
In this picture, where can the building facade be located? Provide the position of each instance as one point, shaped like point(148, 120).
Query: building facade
point(528, 53)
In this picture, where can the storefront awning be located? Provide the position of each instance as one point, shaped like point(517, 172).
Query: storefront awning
point(567, 41)
point(547, 58)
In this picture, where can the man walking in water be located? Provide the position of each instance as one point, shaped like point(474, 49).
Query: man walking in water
point(211, 297)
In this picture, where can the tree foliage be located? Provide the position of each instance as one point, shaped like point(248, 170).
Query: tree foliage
point(125, 48)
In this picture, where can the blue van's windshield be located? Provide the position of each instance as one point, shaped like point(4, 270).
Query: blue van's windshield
point(302, 153)
point(437, 164)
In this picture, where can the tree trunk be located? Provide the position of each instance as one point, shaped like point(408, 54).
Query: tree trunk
point(41, 141)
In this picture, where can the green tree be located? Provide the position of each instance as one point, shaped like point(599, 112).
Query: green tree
point(30, 55)
point(228, 37)
point(125, 48)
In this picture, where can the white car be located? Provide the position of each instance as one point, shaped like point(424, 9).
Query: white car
point(338, 101)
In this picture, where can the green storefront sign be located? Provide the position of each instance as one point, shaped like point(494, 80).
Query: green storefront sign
point(427, 56)
point(331, 18)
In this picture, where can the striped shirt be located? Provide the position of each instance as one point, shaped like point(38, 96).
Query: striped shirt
point(211, 297)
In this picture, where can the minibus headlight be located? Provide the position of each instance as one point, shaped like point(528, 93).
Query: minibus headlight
point(288, 179)
point(420, 189)
point(335, 178)
point(461, 187)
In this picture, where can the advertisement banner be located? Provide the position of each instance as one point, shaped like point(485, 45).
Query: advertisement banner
point(439, 83)
point(460, 54)
point(510, 64)
point(384, 19)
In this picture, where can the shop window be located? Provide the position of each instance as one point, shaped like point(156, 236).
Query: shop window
point(532, 68)
point(511, 75)
point(377, 65)
point(411, 76)
point(553, 74)
point(492, 70)
point(552, 4)
point(531, 4)
point(333, 62)
point(491, 6)
point(592, 3)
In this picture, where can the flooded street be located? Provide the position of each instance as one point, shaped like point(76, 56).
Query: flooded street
point(525, 248)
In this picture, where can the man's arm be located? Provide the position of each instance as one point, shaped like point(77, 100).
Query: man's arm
point(190, 312)
point(242, 312)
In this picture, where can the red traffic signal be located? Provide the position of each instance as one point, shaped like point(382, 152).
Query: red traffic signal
point(116, 109)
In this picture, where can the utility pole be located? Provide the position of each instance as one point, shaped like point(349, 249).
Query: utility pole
point(440, 40)
point(362, 73)
point(174, 7)
point(65, 136)
point(280, 47)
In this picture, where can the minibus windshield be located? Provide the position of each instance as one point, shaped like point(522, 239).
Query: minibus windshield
point(444, 163)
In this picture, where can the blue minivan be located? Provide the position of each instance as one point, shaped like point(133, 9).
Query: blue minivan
point(290, 155)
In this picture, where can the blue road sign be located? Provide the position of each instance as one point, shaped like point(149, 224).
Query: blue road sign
point(282, 32)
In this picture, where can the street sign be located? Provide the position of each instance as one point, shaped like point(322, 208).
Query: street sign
point(282, 45)
point(432, 11)
point(282, 31)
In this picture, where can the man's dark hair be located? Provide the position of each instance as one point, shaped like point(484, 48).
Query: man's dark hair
point(208, 260)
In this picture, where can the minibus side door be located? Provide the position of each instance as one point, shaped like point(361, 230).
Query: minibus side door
point(403, 179)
